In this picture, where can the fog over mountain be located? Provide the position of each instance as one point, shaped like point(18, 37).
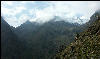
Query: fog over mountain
point(42, 30)
point(17, 13)
point(31, 40)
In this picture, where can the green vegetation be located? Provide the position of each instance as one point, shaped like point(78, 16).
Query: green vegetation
point(34, 41)
point(46, 39)
point(86, 45)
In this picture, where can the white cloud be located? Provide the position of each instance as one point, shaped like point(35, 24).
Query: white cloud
point(7, 3)
point(17, 21)
point(23, 18)
point(13, 11)
point(64, 9)
point(19, 9)
point(12, 21)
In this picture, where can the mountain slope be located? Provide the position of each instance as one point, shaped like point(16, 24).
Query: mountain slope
point(9, 42)
point(86, 45)
point(42, 39)
point(12, 47)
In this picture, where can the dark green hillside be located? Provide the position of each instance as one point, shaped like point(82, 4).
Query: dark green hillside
point(86, 45)
point(46, 39)
point(11, 47)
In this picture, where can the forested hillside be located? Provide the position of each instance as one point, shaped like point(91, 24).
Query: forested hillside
point(32, 40)
point(46, 39)
point(86, 44)
point(50, 30)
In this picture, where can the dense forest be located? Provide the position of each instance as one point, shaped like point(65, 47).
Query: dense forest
point(43, 41)
point(86, 44)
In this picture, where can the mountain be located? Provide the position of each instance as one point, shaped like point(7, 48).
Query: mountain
point(94, 17)
point(44, 40)
point(25, 29)
point(86, 44)
point(9, 43)
point(12, 46)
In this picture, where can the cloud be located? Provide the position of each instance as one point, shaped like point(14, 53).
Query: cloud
point(6, 3)
point(44, 15)
point(23, 18)
point(12, 21)
point(13, 11)
point(67, 10)
point(44, 11)
point(17, 21)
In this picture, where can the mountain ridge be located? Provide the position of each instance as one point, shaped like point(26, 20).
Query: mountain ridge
point(86, 44)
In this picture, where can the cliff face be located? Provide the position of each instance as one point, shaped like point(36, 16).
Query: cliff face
point(87, 43)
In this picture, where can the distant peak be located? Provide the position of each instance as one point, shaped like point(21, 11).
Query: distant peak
point(28, 21)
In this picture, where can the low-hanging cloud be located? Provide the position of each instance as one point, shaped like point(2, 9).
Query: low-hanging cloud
point(17, 12)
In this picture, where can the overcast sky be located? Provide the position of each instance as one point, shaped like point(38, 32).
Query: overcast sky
point(17, 12)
